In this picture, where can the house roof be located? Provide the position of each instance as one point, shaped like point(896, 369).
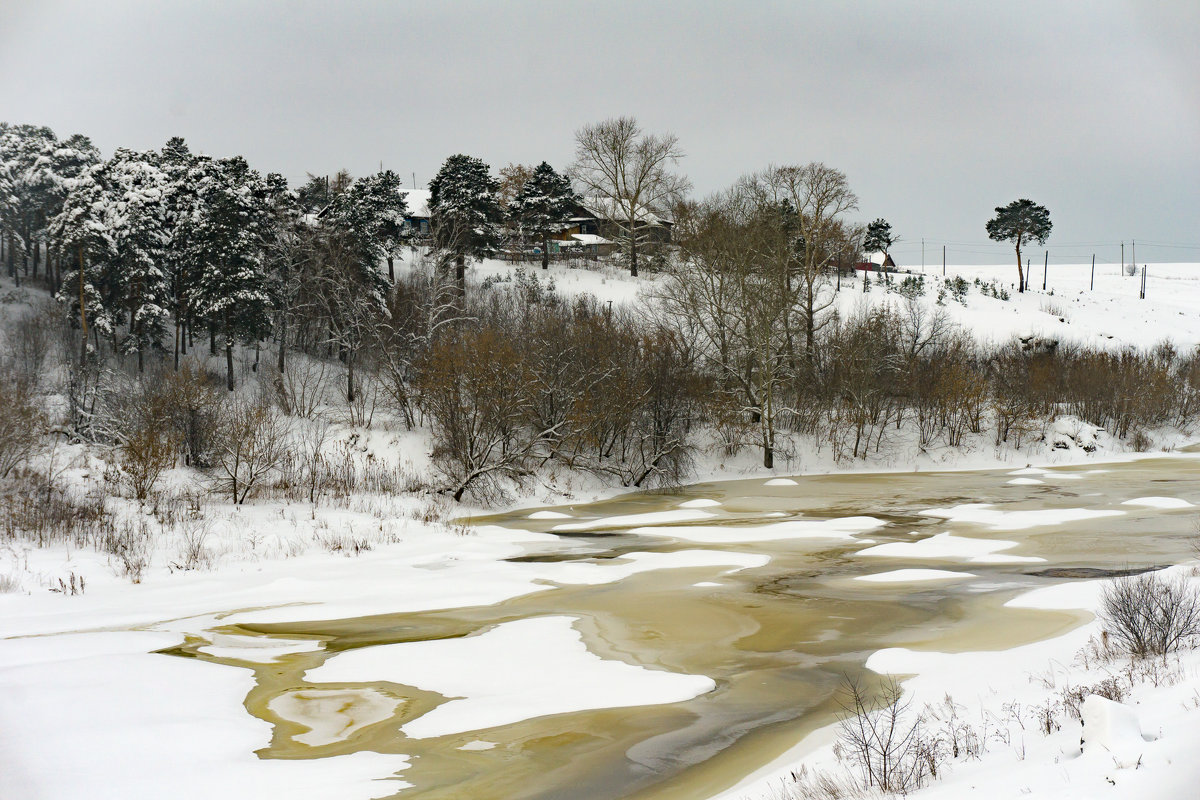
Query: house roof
point(608, 208)
point(590, 238)
point(417, 201)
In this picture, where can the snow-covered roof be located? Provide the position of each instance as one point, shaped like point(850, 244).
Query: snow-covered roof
point(417, 201)
point(590, 238)
point(607, 208)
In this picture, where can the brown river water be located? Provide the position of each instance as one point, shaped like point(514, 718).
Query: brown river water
point(776, 639)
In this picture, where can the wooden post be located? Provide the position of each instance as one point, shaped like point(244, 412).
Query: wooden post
point(1045, 269)
point(1092, 286)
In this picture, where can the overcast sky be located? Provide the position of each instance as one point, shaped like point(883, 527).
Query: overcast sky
point(936, 111)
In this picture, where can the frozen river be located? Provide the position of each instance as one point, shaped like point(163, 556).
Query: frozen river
point(736, 610)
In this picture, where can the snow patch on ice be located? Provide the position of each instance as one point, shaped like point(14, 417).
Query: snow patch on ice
point(701, 502)
point(915, 575)
point(837, 528)
point(548, 515)
point(950, 547)
point(987, 515)
point(649, 518)
point(535, 667)
point(333, 715)
point(1159, 502)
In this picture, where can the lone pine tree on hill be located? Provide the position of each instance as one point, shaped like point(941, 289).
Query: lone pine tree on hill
point(880, 237)
point(542, 204)
point(1020, 222)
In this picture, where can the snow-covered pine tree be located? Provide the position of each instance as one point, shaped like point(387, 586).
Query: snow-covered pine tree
point(68, 160)
point(358, 225)
point(22, 195)
point(465, 214)
point(285, 251)
point(543, 204)
point(232, 292)
point(113, 222)
point(372, 212)
point(86, 244)
point(182, 204)
point(137, 219)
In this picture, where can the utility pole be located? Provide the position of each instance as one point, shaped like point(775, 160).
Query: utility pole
point(1045, 269)
point(1122, 257)
point(415, 185)
point(1092, 286)
point(1143, 282)
point(1026, 286)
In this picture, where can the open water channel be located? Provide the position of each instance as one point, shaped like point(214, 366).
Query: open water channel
point(776, 639)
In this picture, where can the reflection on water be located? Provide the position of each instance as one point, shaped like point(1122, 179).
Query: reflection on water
point(776, 639)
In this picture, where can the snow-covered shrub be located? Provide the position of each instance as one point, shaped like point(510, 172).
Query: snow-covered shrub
point(1151, 615)
point(130, 543)
point(193, 549)
point(806, 784)
point(878, 736)
point(21, 422)
point(912, 286)
point(958, 288)
point(253, 442)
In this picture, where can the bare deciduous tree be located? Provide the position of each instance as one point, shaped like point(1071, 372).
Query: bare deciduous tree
point(617, 162)
point(820, 195)
point(253, 444)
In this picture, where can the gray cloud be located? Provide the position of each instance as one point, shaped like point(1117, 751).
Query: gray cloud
point(937, 111)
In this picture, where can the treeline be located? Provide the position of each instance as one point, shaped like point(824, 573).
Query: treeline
point(153, 255)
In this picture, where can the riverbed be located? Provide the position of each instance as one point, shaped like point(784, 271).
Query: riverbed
point(739, 652)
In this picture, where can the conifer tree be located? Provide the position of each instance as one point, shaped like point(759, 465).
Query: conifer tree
point(137, 191)
point(22, 192)
point(113, 222)
point(1020, 222)
point(465, 212)
point(543, 204)
point(181, 204)
point(880, 237)
point(232, 291)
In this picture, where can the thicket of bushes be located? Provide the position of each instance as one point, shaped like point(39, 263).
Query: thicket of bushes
point(516, 377)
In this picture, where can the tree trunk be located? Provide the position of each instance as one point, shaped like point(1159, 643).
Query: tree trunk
point(1020, 271)
point(633, 271)
point(212, 340)
point(460, 273)
point(391, 268)
point(228, 356)
point(545, 250)
point(349, 375)
point(82, 313)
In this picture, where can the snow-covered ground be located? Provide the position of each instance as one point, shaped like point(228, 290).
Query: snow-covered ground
point(89, 709)
point(1015, 717)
